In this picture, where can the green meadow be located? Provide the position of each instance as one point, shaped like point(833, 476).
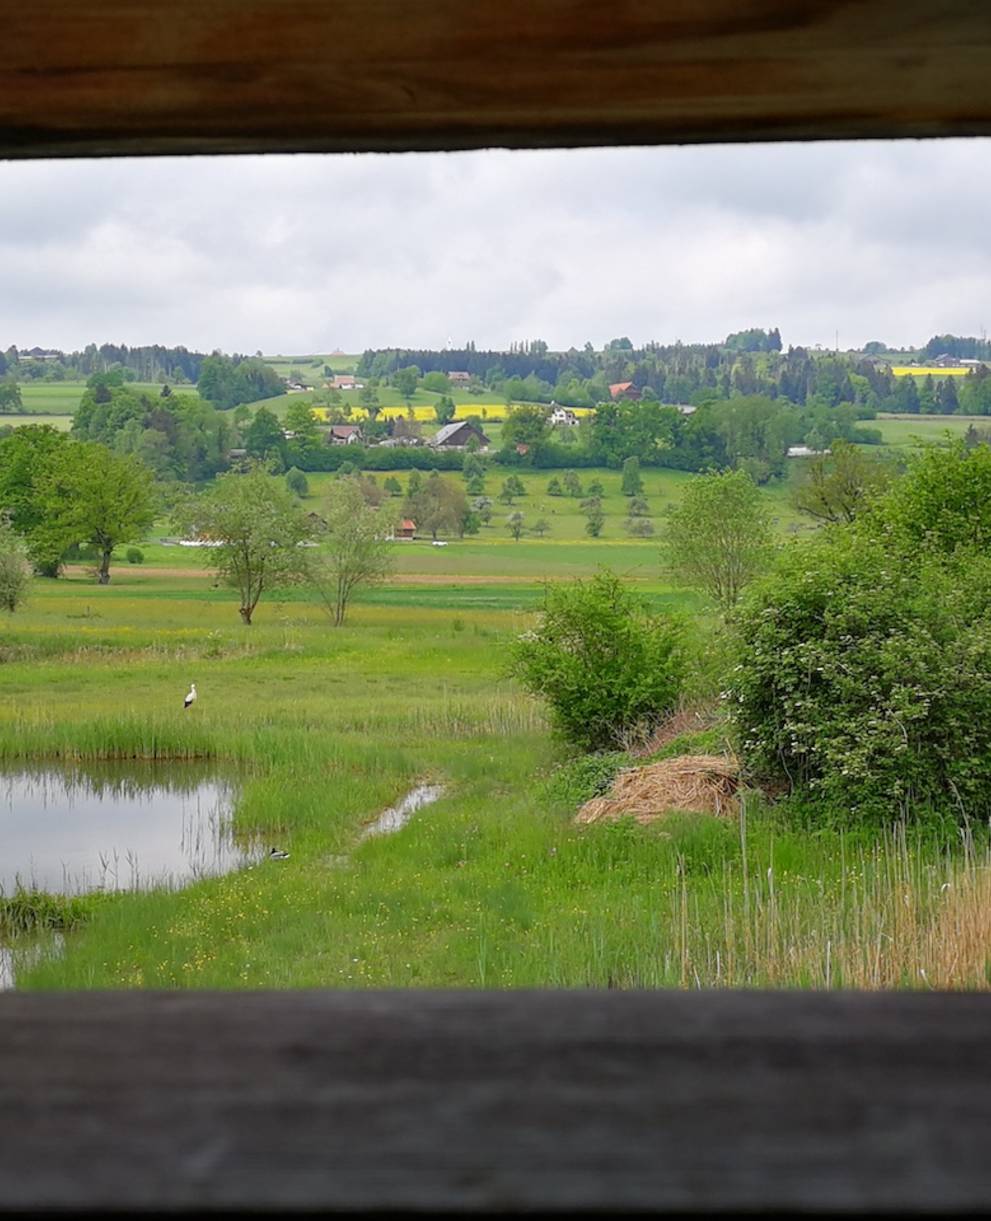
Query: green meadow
point(59, 400)
point(909, 432)
point(493, 885)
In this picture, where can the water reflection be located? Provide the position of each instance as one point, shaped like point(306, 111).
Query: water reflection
point(115, 827)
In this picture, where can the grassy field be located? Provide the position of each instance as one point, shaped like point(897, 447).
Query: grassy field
point(62, 398)
point(910, 431)
point(662, 489)
point(312, 366)
point(493, 885)
point(62, 422)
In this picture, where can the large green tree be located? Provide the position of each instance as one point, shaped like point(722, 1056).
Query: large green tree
point(256, 528)
point(91, 495)
point(263, 437)
point(25, 458)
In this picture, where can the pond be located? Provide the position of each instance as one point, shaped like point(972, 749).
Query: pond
point(115, 826)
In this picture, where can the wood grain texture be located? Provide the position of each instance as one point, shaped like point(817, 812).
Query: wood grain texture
point(468, 1101)
point(82, 77)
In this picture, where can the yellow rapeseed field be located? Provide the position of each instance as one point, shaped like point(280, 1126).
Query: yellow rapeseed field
point(427, 415)
point(926, 370)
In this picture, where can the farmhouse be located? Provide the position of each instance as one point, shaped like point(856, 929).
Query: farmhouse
point(344, 434)
point(457, 435)
point(563, 415)
point(345, 381)
point(42, 354)
point(803, 451)
point(624, 390)
point(405, 529)
point(458, 377)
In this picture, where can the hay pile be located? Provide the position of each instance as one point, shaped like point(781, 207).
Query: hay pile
point(705, 784)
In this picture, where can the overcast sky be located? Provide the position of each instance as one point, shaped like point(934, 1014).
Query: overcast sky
point(313, 253)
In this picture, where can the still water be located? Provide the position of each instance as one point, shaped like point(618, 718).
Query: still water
point(115, 827)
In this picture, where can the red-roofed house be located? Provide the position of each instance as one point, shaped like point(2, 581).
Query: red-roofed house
point(405, 529)
point(624, 390)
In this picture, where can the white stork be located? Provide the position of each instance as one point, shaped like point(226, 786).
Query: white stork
point(191, 697)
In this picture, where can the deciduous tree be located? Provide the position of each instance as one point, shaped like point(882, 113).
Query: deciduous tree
point(632, 483)
point(719, 537)
point(437, 506)
point(836, 487)
point(94, 496)
point(355, 550)
point(256, 527)
point(516, 524)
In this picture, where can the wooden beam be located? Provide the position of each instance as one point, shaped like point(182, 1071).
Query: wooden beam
point(92, 77)
point(468, 1101)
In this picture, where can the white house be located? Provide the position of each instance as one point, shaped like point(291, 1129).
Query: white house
point(563, 415)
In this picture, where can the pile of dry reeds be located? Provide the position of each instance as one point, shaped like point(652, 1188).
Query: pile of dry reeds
point(706, 784)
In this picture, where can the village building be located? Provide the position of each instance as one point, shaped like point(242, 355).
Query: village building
point(405, 529)
point(803, 451)
point(344, 434)
point(624, 390)
point(563, 415)
point(458, 377)
point(345, 381)
point(458, 434)
point(42, 354)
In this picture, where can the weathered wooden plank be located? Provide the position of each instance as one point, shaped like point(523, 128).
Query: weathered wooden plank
point(464, 1101)
point(80, 77)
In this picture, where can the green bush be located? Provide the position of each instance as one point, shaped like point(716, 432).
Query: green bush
point(606, 665)
point(15, 569)
point(297, 483)
point(864, 679)
point(134, 555)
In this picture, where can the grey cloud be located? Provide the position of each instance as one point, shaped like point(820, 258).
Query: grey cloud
point(878, 240)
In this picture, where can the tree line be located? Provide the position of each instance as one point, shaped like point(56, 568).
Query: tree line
point(750, 362)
